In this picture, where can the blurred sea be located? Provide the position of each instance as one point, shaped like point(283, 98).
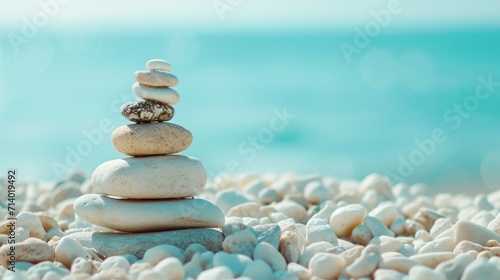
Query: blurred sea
point(350, 119)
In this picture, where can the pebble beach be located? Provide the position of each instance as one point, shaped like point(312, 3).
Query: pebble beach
point(155, 214)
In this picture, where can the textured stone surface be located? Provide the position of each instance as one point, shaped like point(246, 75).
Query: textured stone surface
point(153, 177)
point(116, 244)
point(151, 139)
point(148, 215)
point(156, 78)
point(147, 111)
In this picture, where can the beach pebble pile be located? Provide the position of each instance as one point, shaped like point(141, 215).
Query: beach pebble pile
point(153, 190)
point(155, 215)
point(274, 226)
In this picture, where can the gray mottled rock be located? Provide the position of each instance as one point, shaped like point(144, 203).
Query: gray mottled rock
point(147, 111)
point(117, 244)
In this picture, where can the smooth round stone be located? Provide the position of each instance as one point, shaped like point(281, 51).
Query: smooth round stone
point(113, 244)
point(148, 215)
point(155, 177)
point(147, 111)
point(151, 139)
point(158, 64)
point(156, 78)
point(162, 95)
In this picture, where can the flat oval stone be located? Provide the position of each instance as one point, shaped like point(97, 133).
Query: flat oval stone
point(154, 177)
point(151, 139)
point(158, 64)
point(129, 215)
point(112, 244)
point(156, 78)
point(163, 95)
point(147, 111)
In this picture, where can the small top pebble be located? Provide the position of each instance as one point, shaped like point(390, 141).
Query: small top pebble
point(158, 64)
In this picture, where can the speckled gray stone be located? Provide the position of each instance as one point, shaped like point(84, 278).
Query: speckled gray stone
point(146, 111)
point(156, 78)
point(117, 244)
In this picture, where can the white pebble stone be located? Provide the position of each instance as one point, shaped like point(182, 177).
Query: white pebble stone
point(439, 226)
point(51, 275)
point(318, 230)
point(290, 247)
point(494, 224)
point(116, 262)
point(236, 262)
point(481, 269)
point(325, 211)
point(465, 230)
point(352, 254)
point(257, 270)
point(245, 210)
point(216, 273)
point(158, 64)
point(160, 252)
point(326, 266)
point(315, 192)
point(240, 242)
point(150, 274)
point(386, 212)
point(69, 249)
point(312, 250)
point(267, 196)
point(388, 274)
point(387, 243)
point(301, 272)
point(277, 217)
point(21, 234)
point(420, 272)
point(423, 235)
point(454, 268)
point(445, 244)
point(401, 264)
point(227, 199)
point(270, 255)
point(31, 222)
point(170, 269)
point(292, 210)
point(381, 184)
point(81, 265)
point(253, 187)
point(366, 264)
point(346, 218)
point(433, 259)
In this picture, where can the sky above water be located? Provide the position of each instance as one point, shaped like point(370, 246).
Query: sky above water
point(404, 88)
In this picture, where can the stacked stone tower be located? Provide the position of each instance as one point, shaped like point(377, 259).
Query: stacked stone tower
point(153, 189)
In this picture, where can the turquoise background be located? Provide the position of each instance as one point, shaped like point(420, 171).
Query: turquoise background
point(350, 119)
